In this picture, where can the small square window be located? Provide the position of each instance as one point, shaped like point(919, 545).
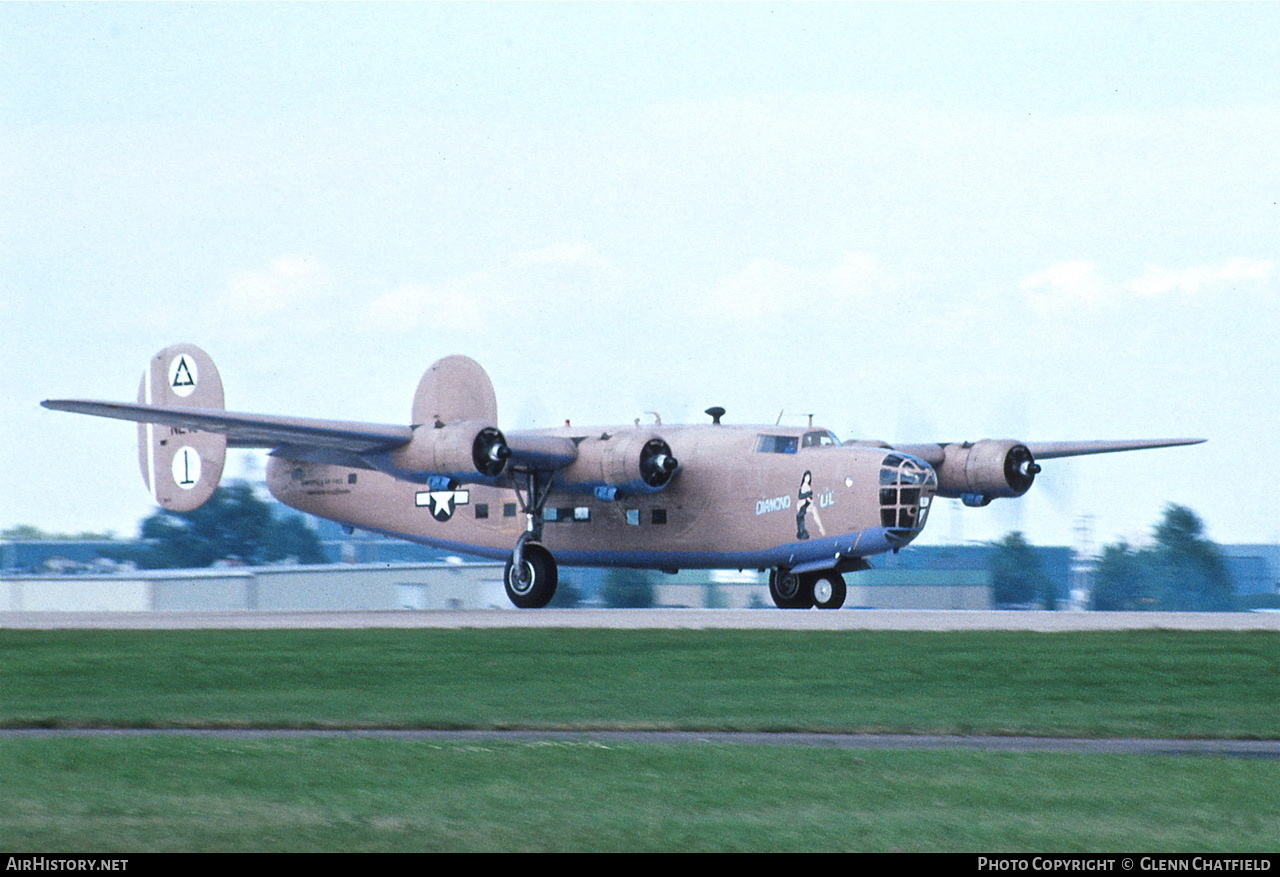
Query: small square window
point(482, 510)
point(659, 516)
point(582, 513)
point(633, 517)
point(351, 478)
point(508, 510)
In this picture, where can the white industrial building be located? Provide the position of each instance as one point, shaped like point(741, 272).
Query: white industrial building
point(425, 586)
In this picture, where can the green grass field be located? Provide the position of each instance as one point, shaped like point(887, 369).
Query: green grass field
point(1146, 683)
point(164, 793)
point(184, 794)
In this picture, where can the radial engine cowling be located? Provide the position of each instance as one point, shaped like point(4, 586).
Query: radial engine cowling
point(463, 451)
point(619, 465)
point(978, 472)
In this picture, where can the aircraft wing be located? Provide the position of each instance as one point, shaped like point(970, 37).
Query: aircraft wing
point(303, 437)
point(1053, 450)
point(251, 430)
point(531, 450)
point(934, 454)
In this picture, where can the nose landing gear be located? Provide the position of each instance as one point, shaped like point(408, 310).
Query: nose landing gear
point(789, 590)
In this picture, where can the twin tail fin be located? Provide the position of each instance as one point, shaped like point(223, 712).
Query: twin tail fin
point(181, 467)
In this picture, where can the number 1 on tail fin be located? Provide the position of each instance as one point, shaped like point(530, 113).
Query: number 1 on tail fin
point(181, 467)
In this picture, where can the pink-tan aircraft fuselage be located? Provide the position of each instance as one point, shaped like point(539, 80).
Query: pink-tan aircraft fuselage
point(797, 502)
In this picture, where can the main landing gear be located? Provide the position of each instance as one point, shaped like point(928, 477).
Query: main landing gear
point(530, 576)
point(790, 590)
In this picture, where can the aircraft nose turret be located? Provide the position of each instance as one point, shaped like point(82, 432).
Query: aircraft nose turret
point(907, 486)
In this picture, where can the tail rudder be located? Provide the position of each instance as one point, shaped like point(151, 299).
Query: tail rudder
point(454, 388)
point(181, 467)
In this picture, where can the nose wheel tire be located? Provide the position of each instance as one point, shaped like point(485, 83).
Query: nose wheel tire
point(829, 591)
point(789, 590)
point(532, 584)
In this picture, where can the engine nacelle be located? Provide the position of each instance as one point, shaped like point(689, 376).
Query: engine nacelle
point(626, 463)
point(979, 472)
point(461, 451)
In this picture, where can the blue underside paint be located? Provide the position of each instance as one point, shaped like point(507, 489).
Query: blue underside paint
point(812, 554)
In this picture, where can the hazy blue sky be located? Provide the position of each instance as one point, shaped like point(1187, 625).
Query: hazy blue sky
point(919, 222)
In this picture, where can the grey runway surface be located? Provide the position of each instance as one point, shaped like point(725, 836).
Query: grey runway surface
point(1268, 749)
point(669, 619)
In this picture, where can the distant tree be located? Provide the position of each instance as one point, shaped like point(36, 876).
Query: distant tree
point(1192, 574)
point(1123, 581)
point(1183, 570)
point(1017, 576)
point(289, 537)
point(628, 589)
point(233, 525)
point(28, 531)
point(24, 531)
point(716, 598)
point(567, 596)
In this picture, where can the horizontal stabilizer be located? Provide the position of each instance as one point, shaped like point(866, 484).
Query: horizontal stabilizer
point(251, 430)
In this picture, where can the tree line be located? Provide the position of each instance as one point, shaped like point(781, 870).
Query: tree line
point(1181, 571)
point(234, 525)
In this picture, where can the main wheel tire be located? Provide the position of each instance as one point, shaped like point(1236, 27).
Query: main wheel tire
point(829, 590)
point(790, 591)
point(533, 586)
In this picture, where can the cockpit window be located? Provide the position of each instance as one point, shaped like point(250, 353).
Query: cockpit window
point(821, 438)
point(777, 444)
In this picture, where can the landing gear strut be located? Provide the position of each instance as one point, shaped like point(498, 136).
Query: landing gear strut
point(530, 576)
point(789, 590)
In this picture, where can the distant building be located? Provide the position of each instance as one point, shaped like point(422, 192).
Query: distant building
point(1054, 559)
point(61, 556)
point(333, 588)
point(360, 546)
point(921, 577)
point(919, 589)
point(1255, 569)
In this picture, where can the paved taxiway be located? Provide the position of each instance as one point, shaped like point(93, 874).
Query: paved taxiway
point(1269, 749)
point(672, 619)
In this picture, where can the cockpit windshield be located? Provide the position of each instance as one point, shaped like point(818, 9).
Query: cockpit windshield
point(777, 444)
point(789, 444)
point(820, 438)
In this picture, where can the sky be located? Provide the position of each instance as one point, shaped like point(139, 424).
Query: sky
point(918, 222)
